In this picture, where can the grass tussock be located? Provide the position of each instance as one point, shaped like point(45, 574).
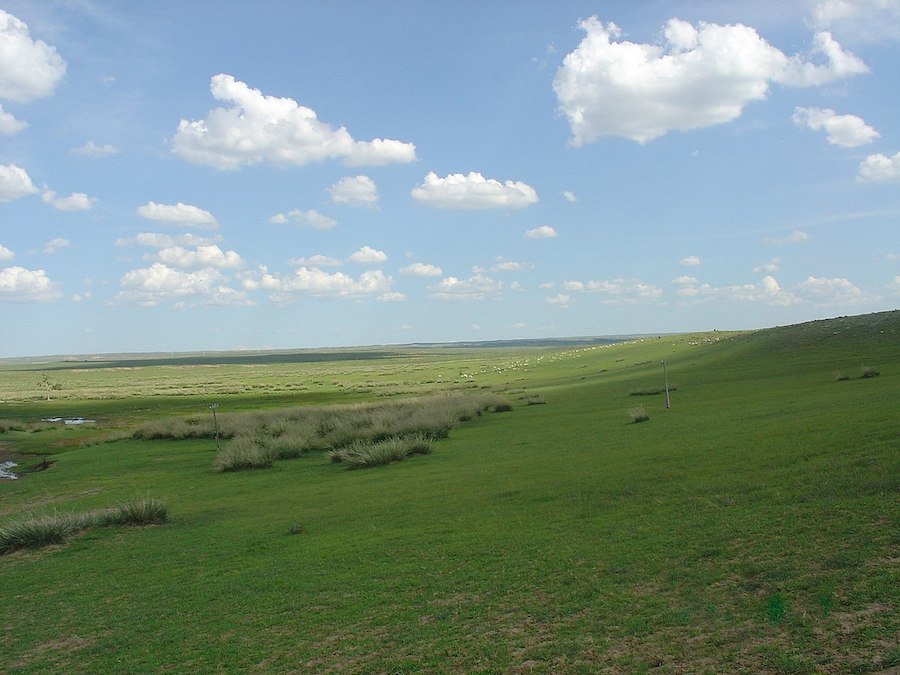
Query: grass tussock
point(31, 532)
point(255, 440)
point(364, 454)
point(638, 414)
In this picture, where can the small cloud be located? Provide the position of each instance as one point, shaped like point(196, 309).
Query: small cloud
point(847, 131)
point(875, 169)
point(504, 265)
point(6, 254)
point(569, 196)
point(559, 299)
point(257, 128)
point(54, 245)
point(311, 217)
point(838, 291)
point(177, 214)
point(768, 267)
point(18, 284)
point(9, 125)
point(476, 287)
point(472, 191)
point(29, 69)
point(206, 256)
point(316, 261)
point(795, 237)
point(14, 182)
point(158, 240)
point(418, 269)
point(355, 191)
point(368, 255)
point(77, 201)
point(542, 232)
point(392, 296)
point(690, 261)
point(91, 149)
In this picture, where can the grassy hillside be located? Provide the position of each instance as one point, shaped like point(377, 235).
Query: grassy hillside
point(752, 527)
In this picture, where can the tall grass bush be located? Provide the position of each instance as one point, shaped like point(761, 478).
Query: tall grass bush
point(256, 439)
point(34, 531)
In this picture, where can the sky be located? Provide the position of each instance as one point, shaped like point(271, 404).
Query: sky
point(218, 174)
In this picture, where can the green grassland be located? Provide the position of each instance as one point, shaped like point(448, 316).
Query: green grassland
point(752, 527)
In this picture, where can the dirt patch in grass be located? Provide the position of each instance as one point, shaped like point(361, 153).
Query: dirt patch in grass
point(49, 648)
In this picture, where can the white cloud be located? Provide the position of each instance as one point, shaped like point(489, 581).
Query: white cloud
point(91, 149)
point(894, 286)
point(875, 169)
point(617, 291)
point(9, 125)
point(14, 182)
point(847, 131)
point(315, 282)
point(767, 290)
point(368, 255)
point(178, 214)
point(158, 240)
point(824, 291)
point(795, 237)
point(865, 20)
point(256, 128)
point(317, 260)
point(311, 217)
point(354, 190)
point(418, 269)
point(699, 77)
point(159, 283)
point(392, 296)
point(472, 191)
point(504, 265)
point(559, 299)
point(379, 152)
point(689, 261)
point(54, 245)
point(29, 69)
point(77, 201)
point(569, 196)
point(476, 287)
point(6, 254)
point(542, 232)
point(768, 267)
point(204, 256)
point(18, 284)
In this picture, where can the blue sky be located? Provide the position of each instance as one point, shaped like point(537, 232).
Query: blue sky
point(224, 175)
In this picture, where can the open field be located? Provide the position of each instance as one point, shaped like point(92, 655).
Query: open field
point(753, 527)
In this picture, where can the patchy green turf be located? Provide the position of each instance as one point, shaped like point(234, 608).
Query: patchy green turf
point(753, 527)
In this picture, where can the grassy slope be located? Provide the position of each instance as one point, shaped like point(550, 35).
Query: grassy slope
point(754, 526)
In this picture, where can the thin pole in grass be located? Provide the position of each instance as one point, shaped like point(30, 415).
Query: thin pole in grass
point(666, 378)
point(213, 407)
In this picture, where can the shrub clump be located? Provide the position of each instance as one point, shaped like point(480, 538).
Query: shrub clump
point(364, 454)
point(638, 414)
point(868, 372)
point(258, 439)
point(244, 453)
point(57, 528)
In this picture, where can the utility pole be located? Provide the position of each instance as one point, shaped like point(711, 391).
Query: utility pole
point(213, 407)
point(666, 378)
